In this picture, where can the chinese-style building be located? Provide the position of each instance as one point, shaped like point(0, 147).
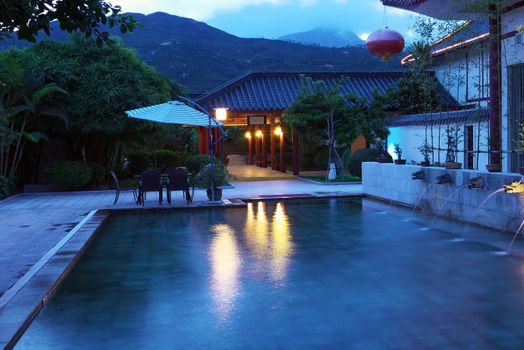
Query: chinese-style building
point(257, 101)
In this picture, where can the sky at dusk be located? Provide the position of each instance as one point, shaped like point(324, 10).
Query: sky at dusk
point(274, 18)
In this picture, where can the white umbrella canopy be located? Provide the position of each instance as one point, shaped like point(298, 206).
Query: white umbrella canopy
point(173, 112)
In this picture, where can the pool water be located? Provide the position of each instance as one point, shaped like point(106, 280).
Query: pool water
point(337, 274)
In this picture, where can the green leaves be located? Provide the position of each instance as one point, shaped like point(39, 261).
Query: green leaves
point(29, 17)
point(35, 136)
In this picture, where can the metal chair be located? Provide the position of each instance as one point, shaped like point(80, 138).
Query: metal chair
point(150, 181)
point(119, 189)
point(178, 180)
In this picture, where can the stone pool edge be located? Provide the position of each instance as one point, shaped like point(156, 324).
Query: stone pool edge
point(28, 299)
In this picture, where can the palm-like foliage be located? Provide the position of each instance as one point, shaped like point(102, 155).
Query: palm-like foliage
point(20, 100)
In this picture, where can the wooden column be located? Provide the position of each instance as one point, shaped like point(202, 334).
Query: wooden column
point(203, 141)
point(250, 146)
point(296, 153)
point(494, 86)
point(272, 145)
point(264, 147)
point(282, 154)
point(257, 147)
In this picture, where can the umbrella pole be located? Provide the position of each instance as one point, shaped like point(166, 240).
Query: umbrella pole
point(211, 143)
point(211, 157)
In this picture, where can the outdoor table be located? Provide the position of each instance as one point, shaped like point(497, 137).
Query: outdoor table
point(164, 177)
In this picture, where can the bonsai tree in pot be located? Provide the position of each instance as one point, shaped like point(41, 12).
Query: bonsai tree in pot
point(381, 148)
point(519, 145)
point(204, 179)
point(452, 140)
point(425, 150)
point(398, 152)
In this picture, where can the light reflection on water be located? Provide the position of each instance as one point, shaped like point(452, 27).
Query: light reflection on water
point(269, 242)
point(225, 265)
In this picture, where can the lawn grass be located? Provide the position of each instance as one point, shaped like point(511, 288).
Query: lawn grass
point(345, 178)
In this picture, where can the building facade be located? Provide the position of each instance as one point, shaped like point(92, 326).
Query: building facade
point(482, 66)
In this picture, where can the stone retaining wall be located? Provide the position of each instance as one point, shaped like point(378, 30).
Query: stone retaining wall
point(394, 183)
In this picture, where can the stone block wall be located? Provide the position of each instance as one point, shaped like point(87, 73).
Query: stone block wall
point(394, 183)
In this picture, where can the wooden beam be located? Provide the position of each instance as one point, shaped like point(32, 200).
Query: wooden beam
point(296, 153)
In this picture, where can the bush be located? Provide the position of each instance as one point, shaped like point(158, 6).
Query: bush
point(165, 158)
point(69, 176)
point(322, 158)
point(195, 163)
point(204, 179)
point(7, 185)
point(364, 155)
point(137, 162)
point(98, 173)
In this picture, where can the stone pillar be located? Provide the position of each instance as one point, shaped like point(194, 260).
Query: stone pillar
point(296, 153)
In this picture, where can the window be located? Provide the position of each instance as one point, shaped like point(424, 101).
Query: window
point(477, 81)
point(515, 112)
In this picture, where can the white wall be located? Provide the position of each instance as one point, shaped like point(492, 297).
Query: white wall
point(512, 54)
point(412, 137)
point(465, 74)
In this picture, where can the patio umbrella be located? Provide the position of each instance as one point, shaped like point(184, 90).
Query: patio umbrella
point(176, 112)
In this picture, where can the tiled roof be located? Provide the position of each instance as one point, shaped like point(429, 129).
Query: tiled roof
point(275, 91)
point(453, 117)
point(470, 33)
point(402, 3)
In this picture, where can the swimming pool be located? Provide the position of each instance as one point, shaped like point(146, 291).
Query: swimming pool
point(346, 273)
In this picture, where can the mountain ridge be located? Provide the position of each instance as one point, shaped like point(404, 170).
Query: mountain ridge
point(325, 37)
point(201, 57)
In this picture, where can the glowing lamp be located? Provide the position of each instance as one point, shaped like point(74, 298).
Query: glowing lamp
point(221, 114)
point(278, 131)
point(385, 43)
point(248, 135)
point(258, 133)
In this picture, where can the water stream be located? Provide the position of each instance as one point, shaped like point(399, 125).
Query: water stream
point(445, 202)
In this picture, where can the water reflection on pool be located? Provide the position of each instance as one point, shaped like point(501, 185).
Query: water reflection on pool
point(318, 274)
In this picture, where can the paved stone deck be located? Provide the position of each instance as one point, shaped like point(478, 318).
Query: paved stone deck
point(251, 172)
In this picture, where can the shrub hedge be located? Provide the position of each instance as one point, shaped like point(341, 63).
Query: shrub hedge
point(7, 185)
point(364, 155)
point(195, 163)
point(70, 175)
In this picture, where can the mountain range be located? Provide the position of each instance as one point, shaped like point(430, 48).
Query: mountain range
point(201, 57)
point(325, 37)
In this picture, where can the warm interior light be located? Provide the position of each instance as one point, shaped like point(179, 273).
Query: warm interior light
point(221, 114)
point(248, 135)
point(258, 133)
point(278, 131)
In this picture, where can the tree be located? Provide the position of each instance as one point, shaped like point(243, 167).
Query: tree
point(20, 100)
point(102, 83)
point(324, 114)
point(28, 17)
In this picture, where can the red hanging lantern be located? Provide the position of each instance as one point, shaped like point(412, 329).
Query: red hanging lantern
point(385, 43)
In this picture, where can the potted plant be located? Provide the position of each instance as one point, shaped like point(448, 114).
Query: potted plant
point(204, 179)
point(381, 147)
point(425, 150)
point(519, 145)
point(398, 152)
point(452, 149)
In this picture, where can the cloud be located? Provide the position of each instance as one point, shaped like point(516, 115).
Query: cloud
point(200, 9)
